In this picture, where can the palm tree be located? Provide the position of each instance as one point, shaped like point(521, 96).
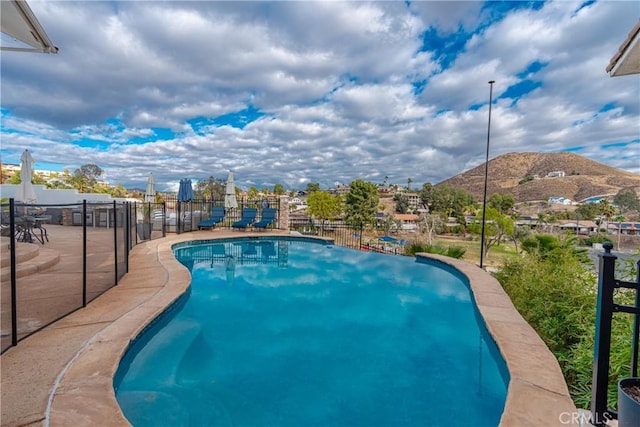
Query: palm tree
point(606, 210)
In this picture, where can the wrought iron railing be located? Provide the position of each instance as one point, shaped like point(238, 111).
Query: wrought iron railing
point(606, 307)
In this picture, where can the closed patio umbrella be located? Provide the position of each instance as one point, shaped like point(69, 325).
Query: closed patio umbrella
point(25, 192)
point(150, 194)
point(230, 201)
point(185, 191)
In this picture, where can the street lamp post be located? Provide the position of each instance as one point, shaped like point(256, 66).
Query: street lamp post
point(486, 176)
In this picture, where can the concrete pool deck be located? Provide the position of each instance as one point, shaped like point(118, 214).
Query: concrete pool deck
point(63, 375)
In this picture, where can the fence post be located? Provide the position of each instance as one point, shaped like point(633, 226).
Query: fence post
point(84, 253)
point(14, 287)
point(636, 327)
point(602, 345)
point(115, 242)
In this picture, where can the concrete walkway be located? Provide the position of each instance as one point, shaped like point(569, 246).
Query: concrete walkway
point(63, 375)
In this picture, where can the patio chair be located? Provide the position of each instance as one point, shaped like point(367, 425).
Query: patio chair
point(268, 217)
point(217, 215)
point(248, 218)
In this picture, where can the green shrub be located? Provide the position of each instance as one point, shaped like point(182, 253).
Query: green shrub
point(556, 293)
point(450, 251)
point(589, 241)
point(456, 252)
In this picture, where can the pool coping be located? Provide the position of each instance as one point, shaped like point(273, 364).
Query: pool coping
point(82, 383)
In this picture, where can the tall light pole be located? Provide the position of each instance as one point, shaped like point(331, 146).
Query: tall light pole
point(486, 176)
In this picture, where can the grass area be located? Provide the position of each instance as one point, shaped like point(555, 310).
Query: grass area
point(493, 259)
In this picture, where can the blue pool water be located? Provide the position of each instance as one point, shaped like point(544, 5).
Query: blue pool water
point(280, 332)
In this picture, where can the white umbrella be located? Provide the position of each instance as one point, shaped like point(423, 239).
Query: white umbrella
point(230, 201)
point(150, 194)
point(25, 192)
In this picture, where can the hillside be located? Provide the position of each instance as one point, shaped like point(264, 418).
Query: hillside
point(583, 177)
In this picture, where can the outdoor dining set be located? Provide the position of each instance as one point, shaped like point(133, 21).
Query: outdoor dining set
point(28, 229)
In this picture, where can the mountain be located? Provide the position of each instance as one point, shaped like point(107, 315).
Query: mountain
point(514, 174)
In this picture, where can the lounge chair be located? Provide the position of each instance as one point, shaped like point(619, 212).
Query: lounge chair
point(268, 217)
point(217, 215)
point(248, 218)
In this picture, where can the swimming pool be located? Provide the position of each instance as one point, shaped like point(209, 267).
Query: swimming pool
point(294, 332)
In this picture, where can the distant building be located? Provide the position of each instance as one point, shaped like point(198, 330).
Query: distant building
point(409, 221)
point(555, 174)
point(559, 200)
point(579, 227)
point(340, 190)
point(595, 199)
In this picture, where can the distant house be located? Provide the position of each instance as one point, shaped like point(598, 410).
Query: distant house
point(555, 174)
point(578, 227)
point(559, 200)
point(527, 221)
point(298, 203)
point(340, 190)
point(413, 199)
point(624, 228)
point(409, 221)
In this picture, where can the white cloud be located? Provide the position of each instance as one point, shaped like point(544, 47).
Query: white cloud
point(335, 81)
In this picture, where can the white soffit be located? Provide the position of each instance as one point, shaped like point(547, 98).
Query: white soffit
point(627, 60)
point(18, 21)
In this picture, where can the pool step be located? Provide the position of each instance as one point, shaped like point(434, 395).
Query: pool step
point(31, 258)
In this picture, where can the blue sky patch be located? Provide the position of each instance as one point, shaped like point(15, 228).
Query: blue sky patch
point(620, 144)
point(497, 10)
point(583, 5)
point(159, 134)
point(445, 47)
point(521, 88)
point(607, 107)
point(532, 68)
point(238, 119)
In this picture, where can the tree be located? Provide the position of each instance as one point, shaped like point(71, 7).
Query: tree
point(252, 193)
point(586, 211)
point(627, 201)
point(402, 203)
point(361, 203)
point(430, 224)
point(518, 235)
point(86, 177)
point(446, 200)
point(313, 186)
point(324, 205)
point(501, 202)
point(409, 181)
point(426, 195)
point(606, 210)
point(389, 222)
point(211, 188)
point(497, 227)
point(279, 189)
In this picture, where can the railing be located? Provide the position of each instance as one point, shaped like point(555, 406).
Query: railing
point(344, 234)
point(606, 307)
point(87, 252)
point(81, 251)
point(88, 246)
point(181, 217)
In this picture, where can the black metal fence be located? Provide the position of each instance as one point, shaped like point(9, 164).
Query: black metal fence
point(79, 251)
point(181, 217)
point(606, 307)
point(345, 235)
point(82, 249)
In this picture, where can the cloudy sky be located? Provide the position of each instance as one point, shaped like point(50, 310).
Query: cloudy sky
point(296, 92)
